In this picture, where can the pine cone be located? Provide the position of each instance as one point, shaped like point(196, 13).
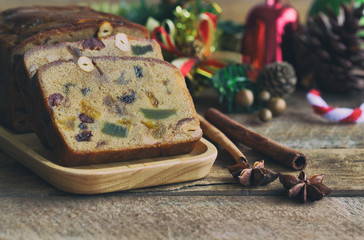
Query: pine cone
point(328, 53)
point(278, 78)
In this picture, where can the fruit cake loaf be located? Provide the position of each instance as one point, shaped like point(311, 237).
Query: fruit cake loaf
point(117, 45)
point(120, 44)
point(108, 109)
point(24, 28)
point(27, 27)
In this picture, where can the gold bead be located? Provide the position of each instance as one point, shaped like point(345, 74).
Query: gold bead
point(277, 105)
point(244, 98)
point(264, 96)
point(265, 115)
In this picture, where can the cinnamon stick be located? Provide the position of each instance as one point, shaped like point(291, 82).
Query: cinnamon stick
point(287, 156)
point(220, 138)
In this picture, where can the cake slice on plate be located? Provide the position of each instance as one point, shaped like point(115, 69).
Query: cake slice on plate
point(107, 109)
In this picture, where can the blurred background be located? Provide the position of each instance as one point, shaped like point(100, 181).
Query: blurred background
point(277, 51)
point(235, 10)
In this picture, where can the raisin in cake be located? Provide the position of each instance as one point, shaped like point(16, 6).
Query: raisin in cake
point(23, 28)
point(107, 109)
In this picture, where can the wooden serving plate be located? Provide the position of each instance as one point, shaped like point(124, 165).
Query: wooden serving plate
point(102, 178)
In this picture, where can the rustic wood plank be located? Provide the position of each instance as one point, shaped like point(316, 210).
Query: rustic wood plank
point(15, 180)
point(119, 216)
point(342, 168)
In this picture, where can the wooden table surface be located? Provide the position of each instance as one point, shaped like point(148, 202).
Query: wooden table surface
point(215, 207)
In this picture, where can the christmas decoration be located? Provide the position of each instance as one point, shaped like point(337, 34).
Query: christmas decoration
point(332, 114)
point(277, 106)
point(190, 34)
point(263, 96)
point(239, 94)
point(228, 82)
point(322, 5)
point(228, 36)
point(189, 41)
point(265, 115)
point(265, 26)
point(244, 98)
point(279, 79)
point(328, 53)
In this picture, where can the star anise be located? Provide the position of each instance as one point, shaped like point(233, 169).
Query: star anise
point(302, 188)
point(255, 176)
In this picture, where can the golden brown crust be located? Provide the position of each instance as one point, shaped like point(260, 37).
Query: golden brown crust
point(23, 20)
point(69, 33)
point(71, 159)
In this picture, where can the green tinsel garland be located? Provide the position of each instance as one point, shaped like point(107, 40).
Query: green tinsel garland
point(228, 82)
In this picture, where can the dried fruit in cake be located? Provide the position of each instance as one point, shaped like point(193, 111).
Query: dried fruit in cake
point(78, 51)
point(157, 114)
point(24, 28)
point(114, 130)
point(153, 100)
point(91, 47)
point(114, 121)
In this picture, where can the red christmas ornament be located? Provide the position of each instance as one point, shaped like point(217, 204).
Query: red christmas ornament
point(265, 26)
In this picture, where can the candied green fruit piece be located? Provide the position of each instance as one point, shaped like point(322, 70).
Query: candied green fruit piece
point(140, 50)
point(114, 130)
point(157, 114)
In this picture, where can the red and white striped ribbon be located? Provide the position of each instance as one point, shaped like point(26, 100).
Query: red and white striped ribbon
point(332, 114)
